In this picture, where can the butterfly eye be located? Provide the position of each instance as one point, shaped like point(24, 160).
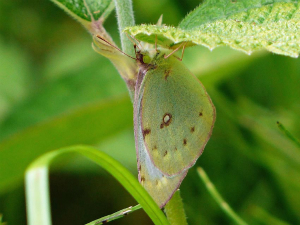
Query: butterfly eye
point(146, 59)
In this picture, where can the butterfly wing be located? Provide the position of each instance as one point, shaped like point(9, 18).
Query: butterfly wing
point(158, 185)
point(176, 116)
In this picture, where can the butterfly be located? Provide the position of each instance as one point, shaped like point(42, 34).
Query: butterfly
point(173, 119)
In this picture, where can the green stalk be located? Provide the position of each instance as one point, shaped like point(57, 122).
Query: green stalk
point(174, 210)
point(125, 19)
point(218, 198)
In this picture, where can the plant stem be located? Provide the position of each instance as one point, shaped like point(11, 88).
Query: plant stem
point(125, 18)
point(218, 198)
point(175, 211)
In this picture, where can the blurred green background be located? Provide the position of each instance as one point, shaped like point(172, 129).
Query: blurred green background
point(55, 92)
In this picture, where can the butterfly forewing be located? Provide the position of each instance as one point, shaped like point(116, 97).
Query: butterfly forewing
point(158, 185)
point(177, 116)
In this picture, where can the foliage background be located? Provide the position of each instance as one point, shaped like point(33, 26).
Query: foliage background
point(49, 72)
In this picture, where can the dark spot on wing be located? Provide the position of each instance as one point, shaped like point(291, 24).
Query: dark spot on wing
point(143, 179)
point(200, 114)
point(192, 129)
point(166, 152)
point(104, 221)
point(154, 148)
point(167, 73)
point(175, 149)
point(146, 132)
point(166, 121)
point(184, 141)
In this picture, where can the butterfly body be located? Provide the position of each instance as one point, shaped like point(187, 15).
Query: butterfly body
point(173, 117)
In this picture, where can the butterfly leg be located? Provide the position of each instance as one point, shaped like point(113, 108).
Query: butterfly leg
point(175, 50)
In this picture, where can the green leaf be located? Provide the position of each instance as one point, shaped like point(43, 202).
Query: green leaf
point(212, 10)
point(274, 27)
point(37, 184)
point(87, 125)
point(87, 11)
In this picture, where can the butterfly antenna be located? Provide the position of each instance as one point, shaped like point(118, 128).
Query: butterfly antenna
point(138, 43)
point(183, 48)
point(110, 44)
point(175, 50)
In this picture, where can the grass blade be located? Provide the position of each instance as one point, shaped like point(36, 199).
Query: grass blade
point(218, 198)
point(288, 134)
point(37, 180)
point(263, 217)
point(37, 195)
point(116, 215)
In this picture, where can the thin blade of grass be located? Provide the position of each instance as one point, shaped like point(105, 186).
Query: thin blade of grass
point(218, 198)
point(116, 215)
point(288, 134)
point(263, 217)
point(37, 196)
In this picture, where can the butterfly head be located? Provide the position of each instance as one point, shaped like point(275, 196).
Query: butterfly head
point(147, 57)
